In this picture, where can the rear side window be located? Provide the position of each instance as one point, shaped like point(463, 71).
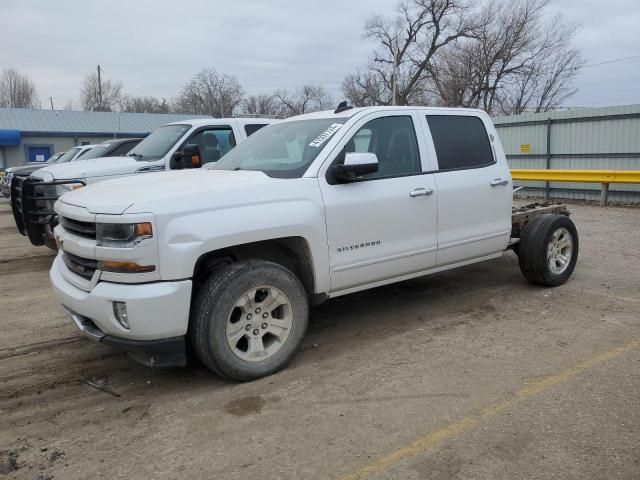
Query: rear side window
point(250, 129)
point(460, 141)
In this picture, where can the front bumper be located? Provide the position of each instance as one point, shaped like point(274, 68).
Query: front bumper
point(167, 352)
point(158, 315)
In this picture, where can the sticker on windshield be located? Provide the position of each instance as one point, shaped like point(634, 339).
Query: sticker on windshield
point(324, 136)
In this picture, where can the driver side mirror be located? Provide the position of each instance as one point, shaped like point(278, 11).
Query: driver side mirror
point(356, 165)
point(189, 157)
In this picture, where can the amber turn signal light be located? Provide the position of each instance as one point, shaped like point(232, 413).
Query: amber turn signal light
point(124, 267)
point(143, 230)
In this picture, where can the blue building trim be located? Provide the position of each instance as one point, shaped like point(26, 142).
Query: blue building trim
point(9, 137)
point(84, 134)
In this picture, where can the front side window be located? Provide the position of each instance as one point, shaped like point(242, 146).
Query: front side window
point(123, 149)
point(96, 152)
point(213, 143)
point(161, 140)
point(282, 150)
point(460, 141)
point(393, 140)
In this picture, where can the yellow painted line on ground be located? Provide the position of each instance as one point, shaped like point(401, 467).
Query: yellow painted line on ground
point(432, 439)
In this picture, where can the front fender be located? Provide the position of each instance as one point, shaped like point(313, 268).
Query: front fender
point(186, 238)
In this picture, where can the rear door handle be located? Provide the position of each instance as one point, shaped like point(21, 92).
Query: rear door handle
point(498, 182)
point(420, 192)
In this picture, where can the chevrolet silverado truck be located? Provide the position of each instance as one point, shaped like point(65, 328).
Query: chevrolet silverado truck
point(195, 142)
point(226, 262)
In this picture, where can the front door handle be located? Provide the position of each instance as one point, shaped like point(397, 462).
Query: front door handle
point(498, 182)
point(420, 192)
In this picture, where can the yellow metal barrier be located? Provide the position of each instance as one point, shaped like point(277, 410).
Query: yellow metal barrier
point(587, 176)
point(605, 177)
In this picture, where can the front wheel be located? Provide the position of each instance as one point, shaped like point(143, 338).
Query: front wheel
point(548, 250)
point(249, 319)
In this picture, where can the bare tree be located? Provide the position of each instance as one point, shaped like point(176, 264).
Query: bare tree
point(17, 90)
point(210, 93)
point(364, 89)
point(260, 105)
point(516, 61)
point(309, 98)
point(407, 44)
point(100, 95)
point(146, 104)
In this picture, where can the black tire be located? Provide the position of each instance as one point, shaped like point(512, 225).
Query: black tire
point(215, 302)
point(533, 248)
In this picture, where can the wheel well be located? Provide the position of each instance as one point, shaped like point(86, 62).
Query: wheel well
point(290, 252)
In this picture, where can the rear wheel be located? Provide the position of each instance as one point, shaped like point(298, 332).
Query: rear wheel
point(249, 319)
point(548, 250)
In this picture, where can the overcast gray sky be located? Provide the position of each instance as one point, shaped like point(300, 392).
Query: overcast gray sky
point(153, 47)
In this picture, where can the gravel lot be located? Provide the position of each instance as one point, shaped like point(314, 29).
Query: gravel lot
point(470, 374)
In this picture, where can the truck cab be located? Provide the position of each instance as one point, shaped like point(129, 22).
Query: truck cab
point(208, 138)
point(230, 258)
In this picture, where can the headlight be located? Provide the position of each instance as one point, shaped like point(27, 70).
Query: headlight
point(68, 187)
point(122, 235)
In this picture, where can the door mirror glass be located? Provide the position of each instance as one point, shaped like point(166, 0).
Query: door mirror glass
point(189, 157)
point(356, 165)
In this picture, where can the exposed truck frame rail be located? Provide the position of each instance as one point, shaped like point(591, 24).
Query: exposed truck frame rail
point(521, 216)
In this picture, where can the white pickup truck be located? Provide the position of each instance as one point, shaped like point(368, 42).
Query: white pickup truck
point(165, 148)
point(228, 260)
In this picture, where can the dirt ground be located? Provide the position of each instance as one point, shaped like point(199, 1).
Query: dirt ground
point(470, 374)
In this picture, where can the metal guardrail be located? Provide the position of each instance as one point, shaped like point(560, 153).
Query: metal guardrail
point(604, 177)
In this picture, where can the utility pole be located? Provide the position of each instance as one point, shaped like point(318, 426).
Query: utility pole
point(99, 90)
point(394, 79)
point(51, 100)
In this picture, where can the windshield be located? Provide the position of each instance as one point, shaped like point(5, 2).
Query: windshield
point(55, 157)
point(281, 150)
point(69, 155)
point(156, 145)
point(96, 152)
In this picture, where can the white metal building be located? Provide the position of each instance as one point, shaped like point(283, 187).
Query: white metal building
point(34, 135)
point(587, 139)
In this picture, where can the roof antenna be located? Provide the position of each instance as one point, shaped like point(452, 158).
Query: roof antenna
point(342, 106)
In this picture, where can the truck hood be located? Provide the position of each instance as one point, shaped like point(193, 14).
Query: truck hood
point(169, 191)
point(96, 167)
point(24, 169)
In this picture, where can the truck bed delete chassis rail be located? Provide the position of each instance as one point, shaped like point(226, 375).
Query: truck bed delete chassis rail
point(32, 203)
point(521, 216)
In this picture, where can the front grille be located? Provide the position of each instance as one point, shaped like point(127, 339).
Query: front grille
point(79, 228)
point(16, 202)
point(83, 267)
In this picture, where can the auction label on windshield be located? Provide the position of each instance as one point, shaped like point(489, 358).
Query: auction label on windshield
point(320, 139)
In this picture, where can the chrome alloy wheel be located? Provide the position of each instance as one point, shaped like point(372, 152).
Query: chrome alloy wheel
point(259, 323)
point(560, 250)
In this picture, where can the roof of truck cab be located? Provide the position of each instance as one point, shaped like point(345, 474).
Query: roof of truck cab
point(202, 122)
point(355, 110)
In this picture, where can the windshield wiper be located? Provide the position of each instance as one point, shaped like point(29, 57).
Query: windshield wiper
point(236, 169)
point(135, 155)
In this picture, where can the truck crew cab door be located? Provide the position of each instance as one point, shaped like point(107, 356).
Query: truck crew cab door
point(384, 225)
point(474, 187)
